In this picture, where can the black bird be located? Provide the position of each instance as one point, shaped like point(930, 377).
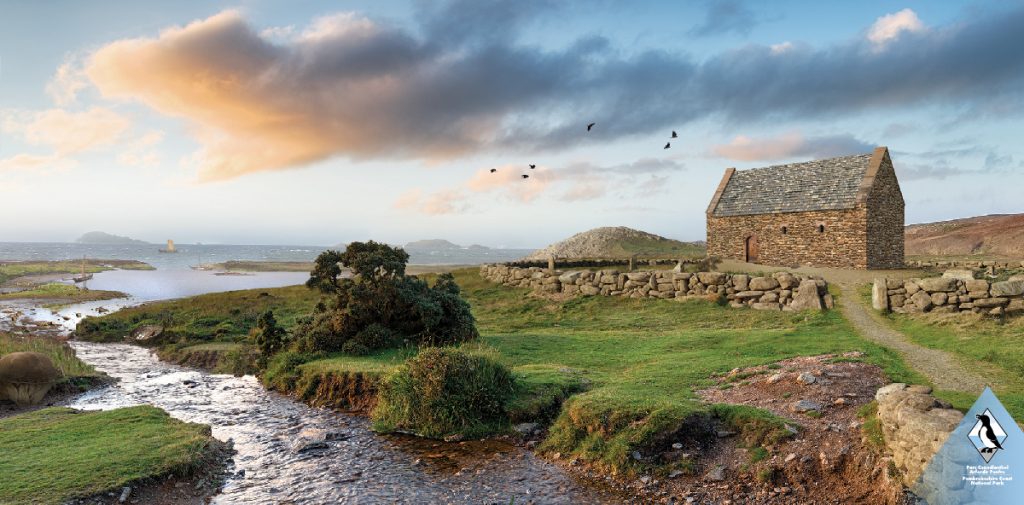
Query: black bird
point(667, 145)
point(591, 125)
point(533, 167)
point(494, 170)
point(674, 134)
point(526, 176)
point(988, 437)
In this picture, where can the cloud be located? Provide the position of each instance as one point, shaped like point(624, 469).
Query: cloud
point(724, 16)
point(66, 132)
point(460, 83)
point(66, 83)
point(438, 203)
point(140, 151)
point(33, 162)
point(579, 181)
point(971, 161)
point(890, 26)
point(790, 145)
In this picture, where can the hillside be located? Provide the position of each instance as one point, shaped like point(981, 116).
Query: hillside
point(99, 237)
point(617, 242)
point(992, 235)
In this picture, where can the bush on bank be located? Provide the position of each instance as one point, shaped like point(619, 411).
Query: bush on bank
point(446, 391)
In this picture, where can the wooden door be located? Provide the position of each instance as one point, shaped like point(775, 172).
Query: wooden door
point(751, 248)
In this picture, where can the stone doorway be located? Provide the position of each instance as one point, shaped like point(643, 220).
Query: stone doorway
point(751, 249)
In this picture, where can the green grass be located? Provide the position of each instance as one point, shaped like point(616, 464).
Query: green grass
point(654, 248)
point(60, 353)
point(629, 367)
point(217, 316)
point(52, 455)
point(63, 293)
point(264, 266)
point(991, 347)
point(12, 269)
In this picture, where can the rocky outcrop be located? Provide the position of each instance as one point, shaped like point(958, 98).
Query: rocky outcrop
point(915, 425)
point(780, 291)
point(997, 235)
point(953, 292)
point(26, 377)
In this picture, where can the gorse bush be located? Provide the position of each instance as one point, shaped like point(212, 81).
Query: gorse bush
point(444, 391)
point(380, 306)
point(268, 337)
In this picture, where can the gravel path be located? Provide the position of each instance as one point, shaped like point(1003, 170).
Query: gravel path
point(940, 367)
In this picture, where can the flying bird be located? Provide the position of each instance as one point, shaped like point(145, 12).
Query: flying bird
point(533, 166)
point(674, 134)
point(526, 176)
point(667, 145)
point(988, 437)
point(591, 125)
point(494, 170)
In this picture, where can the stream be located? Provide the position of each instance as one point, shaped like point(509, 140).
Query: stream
point(290, 453)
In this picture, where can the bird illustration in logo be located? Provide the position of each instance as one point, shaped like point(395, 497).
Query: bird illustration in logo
point(987, 435)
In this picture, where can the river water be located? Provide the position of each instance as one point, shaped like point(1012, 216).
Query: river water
point(288, 452)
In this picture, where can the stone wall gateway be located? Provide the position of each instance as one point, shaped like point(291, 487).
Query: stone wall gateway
point(955, 291)
point(779, 291)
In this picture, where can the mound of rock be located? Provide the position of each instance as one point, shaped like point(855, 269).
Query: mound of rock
point(608, 241)
point(26, 377)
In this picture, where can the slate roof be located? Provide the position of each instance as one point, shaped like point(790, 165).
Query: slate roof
point(797, 187)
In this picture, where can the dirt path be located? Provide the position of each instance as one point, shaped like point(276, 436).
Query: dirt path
point(940, 367)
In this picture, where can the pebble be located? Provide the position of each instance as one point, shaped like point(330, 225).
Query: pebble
point(806, 406)
point(775, 378)
point(677, 446)
point(806, 378)
point(839, 401)
point(125, 493)
point(790, 457)
point(717, 473)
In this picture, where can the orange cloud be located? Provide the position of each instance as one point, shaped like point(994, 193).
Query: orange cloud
point(789, 145)
point(337, 88)
point(450, 201)
point(66, 132)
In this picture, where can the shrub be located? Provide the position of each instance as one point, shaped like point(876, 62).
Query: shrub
point(381, 306)
point(282, 370)
point(444, 391)
point(268, 337)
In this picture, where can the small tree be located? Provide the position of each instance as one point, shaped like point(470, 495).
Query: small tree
point(268, 337)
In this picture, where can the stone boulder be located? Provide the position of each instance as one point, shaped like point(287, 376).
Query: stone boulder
point(26, 377)
point(962, 275)
point(922, 300)
point(1007, 288)
point(915, 426)
point(147, 333)
point(807, 297)
point(880, 295)
point(935, 284)
point(741, 282)
point(763, 284)
point(708, 278)
point(786, 280)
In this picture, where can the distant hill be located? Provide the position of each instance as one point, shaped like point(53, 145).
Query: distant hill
point(617, 242)
point(99, 237)
point(994, 235)
point(432, 245)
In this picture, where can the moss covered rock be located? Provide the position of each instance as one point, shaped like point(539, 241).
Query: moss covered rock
point(25, 377)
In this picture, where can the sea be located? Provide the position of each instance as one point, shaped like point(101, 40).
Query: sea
point(194, 254)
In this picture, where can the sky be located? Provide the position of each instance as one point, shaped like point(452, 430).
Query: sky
point(318, 123)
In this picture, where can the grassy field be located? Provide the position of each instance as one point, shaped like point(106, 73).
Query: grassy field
point(62, 294)
point(52, 455)
point(637, 362)
point(62, 355)
point(994, 348)
point(12, 269)
point(225, 317)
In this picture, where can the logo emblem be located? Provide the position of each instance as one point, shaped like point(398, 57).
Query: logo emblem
point(987, 435)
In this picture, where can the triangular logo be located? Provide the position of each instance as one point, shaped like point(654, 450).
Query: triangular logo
point(979, 462)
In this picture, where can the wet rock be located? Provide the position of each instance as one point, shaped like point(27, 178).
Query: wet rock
point(305, 445)
point(147, 333)
point(806, 406)
point(527, 429)
point(717, 474)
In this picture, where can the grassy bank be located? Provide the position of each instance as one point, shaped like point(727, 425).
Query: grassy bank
point(62, 294)
point(263, 266)
point(53, 455)
point(992, 347)
point(214, 317)
point(630, 368)
point(60, 353)
point(13, 269)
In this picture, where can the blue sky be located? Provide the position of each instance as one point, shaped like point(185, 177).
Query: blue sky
point(325, 122)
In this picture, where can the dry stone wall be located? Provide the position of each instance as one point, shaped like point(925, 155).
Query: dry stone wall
point(780, 291)
point(915, 425)
point(955, 291)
